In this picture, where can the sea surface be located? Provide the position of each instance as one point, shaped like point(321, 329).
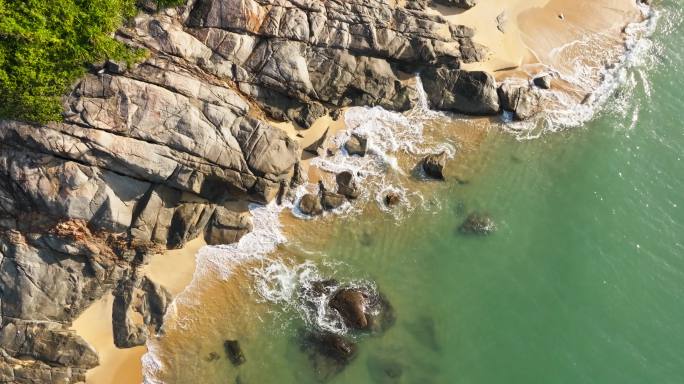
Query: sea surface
point(582, 282)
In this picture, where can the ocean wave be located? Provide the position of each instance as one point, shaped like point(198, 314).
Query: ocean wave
point(598, 77)
point(219, 260)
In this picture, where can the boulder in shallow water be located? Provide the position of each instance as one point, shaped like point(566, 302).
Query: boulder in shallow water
point(478, 224)
point(523, 101)
point(356, 145)
point(346, 185)
point(450, 89)
point(331, 200)
point(543, 81)
point(350, 303)
point(310, 204)
point(433, 165)
point(392, 199)
point(234, 352)
point(330, 353)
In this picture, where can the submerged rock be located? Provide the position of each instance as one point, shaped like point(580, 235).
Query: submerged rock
point(385, 370)
point(310, 204)
point(346, 185)
point(478, 224)
point(234, 352)
point(463, 4)
point(433, 165)
point(356, 145)
point(329, 353)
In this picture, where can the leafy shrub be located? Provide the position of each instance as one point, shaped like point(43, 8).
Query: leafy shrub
point(45, 46)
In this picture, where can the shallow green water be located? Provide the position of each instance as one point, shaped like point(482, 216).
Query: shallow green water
point(582, 283)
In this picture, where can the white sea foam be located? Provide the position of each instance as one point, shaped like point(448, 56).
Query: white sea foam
point(589, 74)
point(219, 260)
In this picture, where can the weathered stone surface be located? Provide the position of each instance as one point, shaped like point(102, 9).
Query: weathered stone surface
point(310, 204)
point(347, 185)
point(142, 296)
point(472, 93)
point(227, 227)
point(331, 200)
point(522, 100)
point(543, 81)
point(356, 145)
point(433, 165)
point(463, 4)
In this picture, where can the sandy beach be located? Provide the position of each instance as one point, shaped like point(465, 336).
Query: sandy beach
point(173, 270)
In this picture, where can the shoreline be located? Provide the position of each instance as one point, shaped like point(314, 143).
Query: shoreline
point(172, 269)
point(177, 274)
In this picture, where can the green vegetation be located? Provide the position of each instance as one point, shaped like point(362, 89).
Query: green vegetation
point(45, 46)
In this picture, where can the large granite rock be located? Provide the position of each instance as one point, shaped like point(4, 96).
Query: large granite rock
point(521, 100)
point(472, 93)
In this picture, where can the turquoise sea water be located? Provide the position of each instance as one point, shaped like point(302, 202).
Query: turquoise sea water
point(583, 282)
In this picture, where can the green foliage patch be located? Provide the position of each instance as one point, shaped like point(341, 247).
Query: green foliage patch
point(45, 46)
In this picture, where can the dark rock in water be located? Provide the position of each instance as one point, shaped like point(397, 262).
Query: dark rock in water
point(234, 352)
point(385, 370)
point(346, 185)
point(433, 165)
point(392, 199)
point(310, 204)
point(322, 287)
point(363, 309)
point(456, 90)
point(350, 303)
point(331, 200)
point(424, 330)
point(543, 81)
point(366, 239)
point(329, 353)
point(213, 356)
point(523, 101)
point(356, 145)
point(478, 224)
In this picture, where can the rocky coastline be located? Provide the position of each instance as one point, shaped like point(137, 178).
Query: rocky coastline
point(151, 156)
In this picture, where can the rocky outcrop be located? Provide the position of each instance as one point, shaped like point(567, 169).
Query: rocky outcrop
point(139, 307)
point(150, 156)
